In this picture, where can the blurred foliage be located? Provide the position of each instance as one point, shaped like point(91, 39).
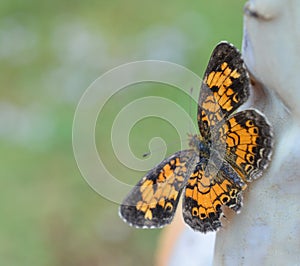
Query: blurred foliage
point(50, 52)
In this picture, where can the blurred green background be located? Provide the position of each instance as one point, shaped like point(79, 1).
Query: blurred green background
point(50, 52)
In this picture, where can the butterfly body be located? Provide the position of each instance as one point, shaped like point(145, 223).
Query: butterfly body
point(231, 150)
point(200, 146)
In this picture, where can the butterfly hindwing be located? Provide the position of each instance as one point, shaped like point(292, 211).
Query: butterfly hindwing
point(248, 138)
point(153, 201)
point(205, 194)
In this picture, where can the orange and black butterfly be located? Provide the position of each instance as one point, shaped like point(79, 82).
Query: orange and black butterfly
point(232, 149)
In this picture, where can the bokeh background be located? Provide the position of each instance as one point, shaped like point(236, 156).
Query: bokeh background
point(50, 52)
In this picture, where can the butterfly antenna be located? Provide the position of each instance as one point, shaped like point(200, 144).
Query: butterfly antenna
point(190, 108)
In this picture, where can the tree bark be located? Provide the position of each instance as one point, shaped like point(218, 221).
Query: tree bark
point(267, 230)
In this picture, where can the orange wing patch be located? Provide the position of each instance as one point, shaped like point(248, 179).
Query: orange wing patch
point(153, 201)
point(169, 179)
point(205, 195)
point(248, 141)
point(223, 80)
point(224, 89)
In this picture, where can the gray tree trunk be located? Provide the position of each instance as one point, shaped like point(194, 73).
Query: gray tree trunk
point(267, 230)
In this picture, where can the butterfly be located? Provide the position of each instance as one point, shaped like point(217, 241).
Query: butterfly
point(232, 149)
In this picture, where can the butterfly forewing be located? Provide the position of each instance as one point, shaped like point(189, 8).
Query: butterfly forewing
point(225, 87)
point(153, 201)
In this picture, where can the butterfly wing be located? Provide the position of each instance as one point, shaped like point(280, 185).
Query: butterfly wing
point(153, 201)
point(206, 193)
point(248, 138)
point(224, 88)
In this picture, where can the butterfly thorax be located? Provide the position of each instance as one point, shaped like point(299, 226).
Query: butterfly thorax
point(200, 145)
